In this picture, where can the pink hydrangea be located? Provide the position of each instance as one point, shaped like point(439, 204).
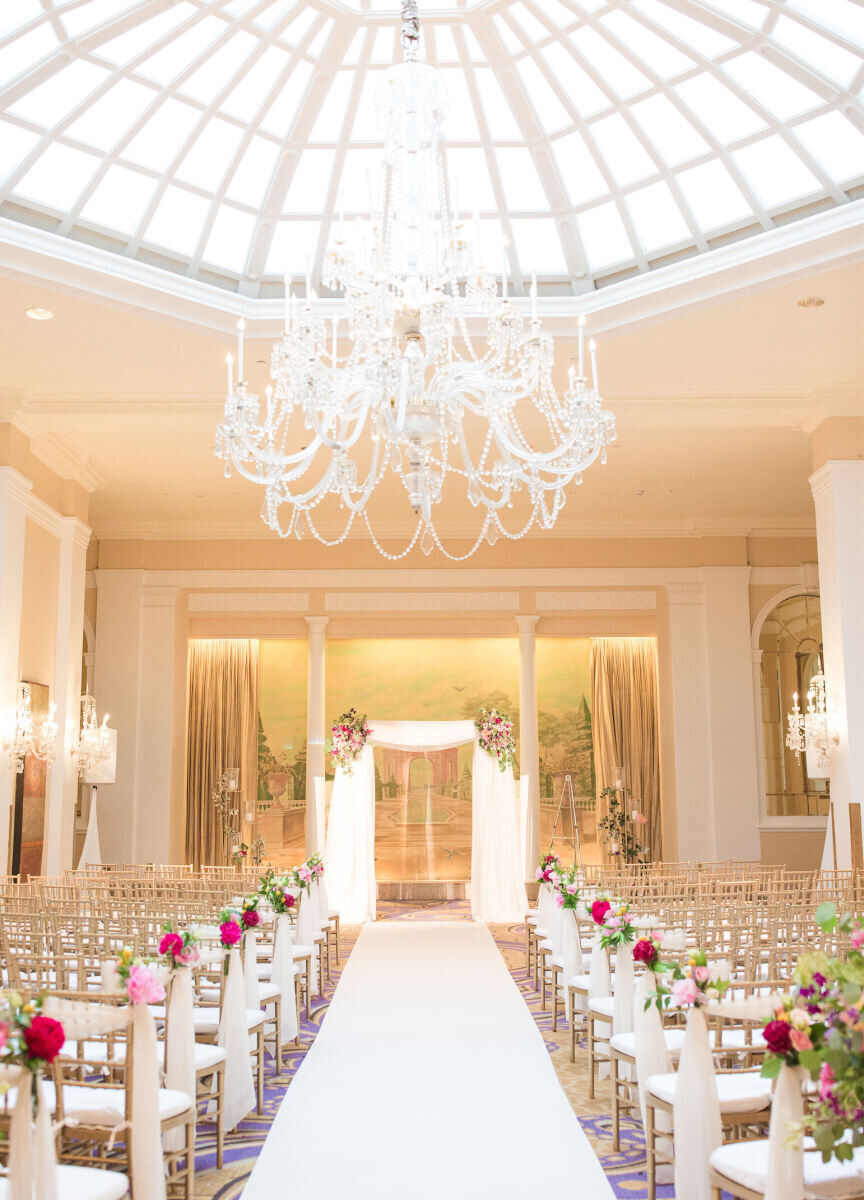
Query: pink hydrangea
point(142, 986)
point(684, 992)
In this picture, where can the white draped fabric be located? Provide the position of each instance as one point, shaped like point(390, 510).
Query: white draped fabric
point(91, 853)
point(497, 874)
point(282, 974)
point(180, 1046)
point(234, 1040)
point(350, 848)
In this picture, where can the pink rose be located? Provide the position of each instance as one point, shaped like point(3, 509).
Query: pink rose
point(142, 986)
point(701, 974)
point(684, 992)
point(826, 1082)
point(230, 932)
point(572, 889)
point(189, 957)
point(800, 1039)
point(613, 921)
point(172, 943)
point(4, 1034)
point(599, 909)
point(559, 900)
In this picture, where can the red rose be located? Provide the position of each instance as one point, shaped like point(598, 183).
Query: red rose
point(645, 952)
point(172, 943)
point(289, 900)
point(44, 1037)
point(778, 1037)
point(251, 918)
point(599, 909)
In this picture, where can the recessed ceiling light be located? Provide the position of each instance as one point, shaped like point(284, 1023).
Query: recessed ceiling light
point(39, 314)
point(811, 302)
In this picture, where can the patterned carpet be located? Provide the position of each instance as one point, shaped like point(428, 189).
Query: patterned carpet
point(626, 1169)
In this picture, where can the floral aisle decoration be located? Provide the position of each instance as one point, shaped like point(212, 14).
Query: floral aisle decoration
point(495, 735)
point(350, 734)
point(620, 840)
point(178, 949)
point(819, 1026)
point(28, 1038)
point(277, 892)
point(230, 928)
point(250, 917)
point(139, 978)
point(301, 876)
point(549, 864)
point(617, 930)
point(315, 863)
point(694, 987)
point(567, 894)
point(597, 909)
point(646, 951)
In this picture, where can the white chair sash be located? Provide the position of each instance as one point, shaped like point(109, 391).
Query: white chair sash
point(554, 927)
point(622, 1011)
point(145, 1138)
point(324, 903)
point(698, 1128)
point(571, 951)
point(307, 931)
point(785, 1162)
point(32, 1162)
point(599, 978)
point(652, 1057)
point(180, 1047)
point(282, 974)
point(234, 1039)
point(250, 969)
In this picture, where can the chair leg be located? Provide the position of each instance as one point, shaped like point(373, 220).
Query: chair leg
point(189, 1188)
point(590, 1057)
point(616, 1106)
point(260, 1081)
point(309, 987)
point(527, 948)
point(572, 1027)
point(277, 1037)
point(650, 1161)
point(543, 984)
point(220, 1116)
point(554, 1000)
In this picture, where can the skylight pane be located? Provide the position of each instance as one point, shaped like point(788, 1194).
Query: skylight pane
point(659, 54)
point(624, 154)
point(551, 112)
point(271, 16)
point(671, 132)
point(157, 143)
point(228, 243)
point(604, 236)
point(775, 172)
point(140, 37)
point(178, 220)
point(826, 56)
point(366, 126)
point(16, 16)
point(773, 88)
point(120, 199)
point(559, 13)
point(293, 244)
point(88, 16)
point(657, 218)
point(20, 55)
point(245, 100)
point(461, 119)
point(470, 183)
point(492, 246)
point(747, 11)
point(383, 46)
point(719, 109)
point(835, 143)
point(219, 67)
point(281, 114)
point(252, 177)
point(15, 144)
point(713, 196)
point(841, 16)
point(335, 110)
point(308, 190)
point(609, 63)
point(445, 44)
point(501, 123)
point(508, 37)
point(107, 119)
point(585, 95)
point(519, 180)
point(358, 185)
point(181, 51)
point(535, 29)
point(53, 99)
point(475, 51)
point(295, 32)
point(352, 54)
point(211, 154)
point(58, 177)
point(582, 177)
point(538, 246)
point(317, 46)
point(699, 34)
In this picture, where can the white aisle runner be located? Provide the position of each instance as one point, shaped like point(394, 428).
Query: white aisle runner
point(428, 1079)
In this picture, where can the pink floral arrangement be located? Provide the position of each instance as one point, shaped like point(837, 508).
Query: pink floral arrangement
point(495, 736)
point(140, 982)
point(597, 909)
point(179, 949)
point(281, 899)
point(617, 929)
point(302, 876)
point(350, 734)
point(230, 931)
point(549, 863)
point(701, 984)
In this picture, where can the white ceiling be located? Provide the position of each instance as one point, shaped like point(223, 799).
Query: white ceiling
point(600, 137)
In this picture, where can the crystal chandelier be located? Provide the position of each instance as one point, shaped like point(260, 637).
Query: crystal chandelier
point(812, 730)
point(92, 746)
point(28, 737)
point(416, 395)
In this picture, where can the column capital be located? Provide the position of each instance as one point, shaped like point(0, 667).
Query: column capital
point(13, 483)
point(74, 530)
point(835, 471)
point(526, 624)
point(317, 624)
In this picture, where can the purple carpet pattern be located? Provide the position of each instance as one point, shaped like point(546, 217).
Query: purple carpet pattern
point(625, 1169)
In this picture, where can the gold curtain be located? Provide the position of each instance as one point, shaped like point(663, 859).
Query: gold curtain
point(221, 732)
point(625, 726)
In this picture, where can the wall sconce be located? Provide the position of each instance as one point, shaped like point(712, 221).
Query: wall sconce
point(28, 737)
point(94, 742)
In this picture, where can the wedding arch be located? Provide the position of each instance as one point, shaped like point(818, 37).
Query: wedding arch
point(497, 871)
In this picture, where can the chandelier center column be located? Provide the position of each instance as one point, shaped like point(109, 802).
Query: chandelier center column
point(316, 729)
point(529, 740)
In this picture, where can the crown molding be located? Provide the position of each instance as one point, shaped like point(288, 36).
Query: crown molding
point(67, 460)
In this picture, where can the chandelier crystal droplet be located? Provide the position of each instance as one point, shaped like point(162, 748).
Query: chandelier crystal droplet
point(419, 399)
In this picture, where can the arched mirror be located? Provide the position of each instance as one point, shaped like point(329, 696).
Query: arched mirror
point(791, 645)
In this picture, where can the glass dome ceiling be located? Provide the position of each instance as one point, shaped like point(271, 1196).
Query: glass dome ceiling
point(592, 138)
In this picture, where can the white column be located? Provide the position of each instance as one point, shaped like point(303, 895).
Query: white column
point(529, 740)
point(838, 494)
point(62, 776)
point(316, 732)
point(135, 685)
point(14, 492)
point(734, 744)
point(687, 679)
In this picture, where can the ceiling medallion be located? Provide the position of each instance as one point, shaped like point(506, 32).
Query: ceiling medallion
point(418, 395)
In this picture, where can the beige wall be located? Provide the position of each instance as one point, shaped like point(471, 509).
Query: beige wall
point(797, 850)
point(39, 606)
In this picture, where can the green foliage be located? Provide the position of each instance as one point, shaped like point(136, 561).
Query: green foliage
point(619, 838)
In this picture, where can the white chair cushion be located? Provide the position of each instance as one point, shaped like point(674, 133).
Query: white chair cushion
point(582, 982)
point(333, 913)
point(736, 1039)
point(625, 1043)
point(558, 961)
point(741, 1091)
point(302, 951)
point(106, 1106)
point(269, 992)
point(83, 1183)
point(602, 1007)
point(746, 1163)
point(208, 1056)
point(207, 1020)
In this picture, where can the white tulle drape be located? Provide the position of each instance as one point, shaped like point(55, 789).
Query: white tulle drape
point(180, 1046)
point(497, 873)
point(350, 848)
point(282, 974)
point(234, 1040)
